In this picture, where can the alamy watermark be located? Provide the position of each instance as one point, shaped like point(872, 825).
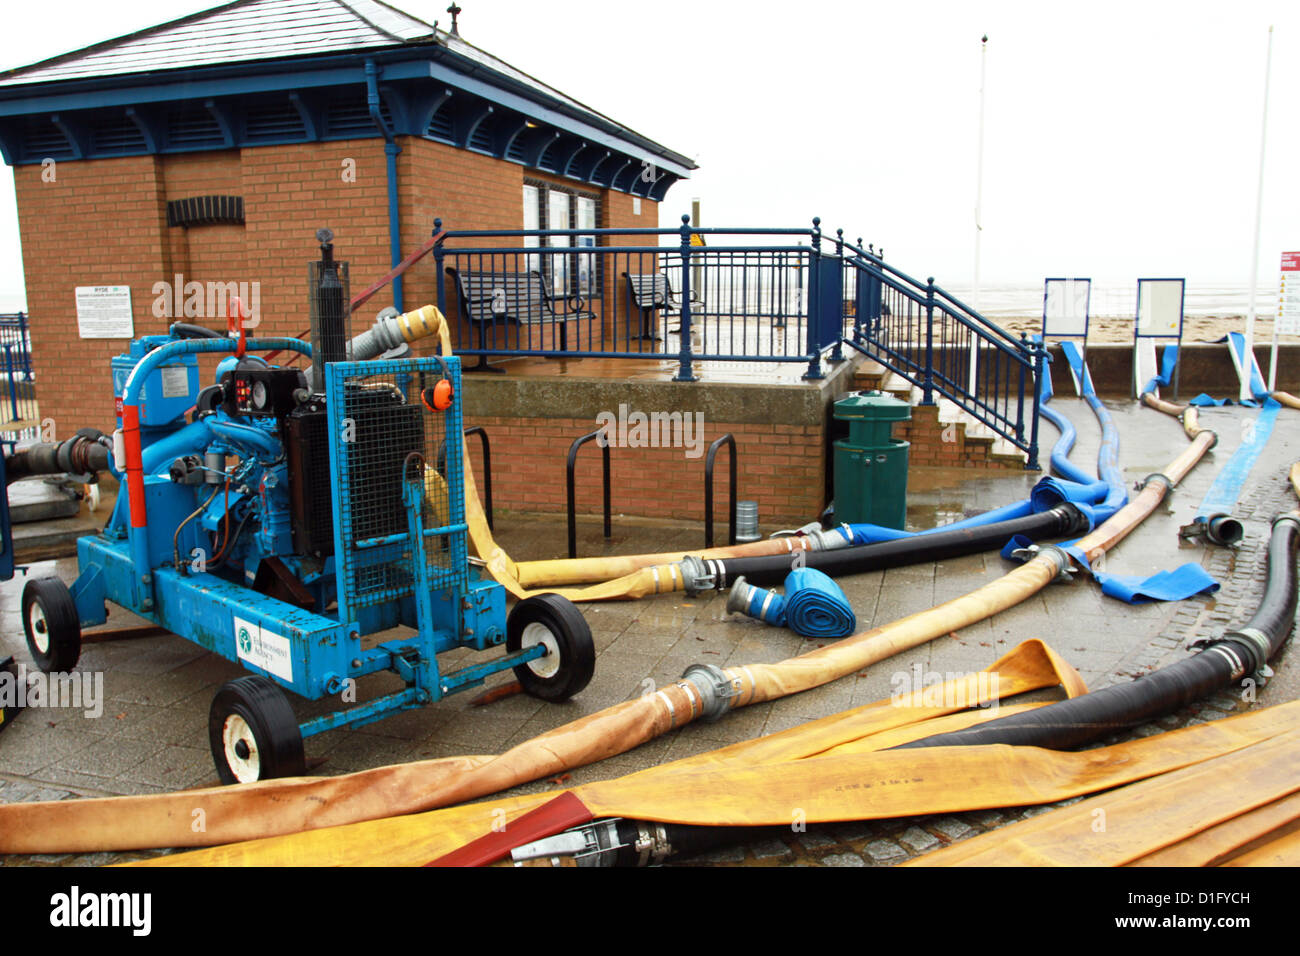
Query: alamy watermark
point(24, 688)
point(207, 300)
point(921, 688)
point(630, 428)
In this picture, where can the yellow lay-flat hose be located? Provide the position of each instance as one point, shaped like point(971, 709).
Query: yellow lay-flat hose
point(291, 805)
point(821, 787)
point(1145, 817)
point(1217, 844)
point(1284, 851)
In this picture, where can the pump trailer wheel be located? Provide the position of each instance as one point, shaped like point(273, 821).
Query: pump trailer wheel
point(570, 658)
point(253, 732)
point(52, 624)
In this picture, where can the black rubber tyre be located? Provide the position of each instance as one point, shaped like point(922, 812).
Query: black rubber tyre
point(52, 624)
point(253, 732)
point(570, 660)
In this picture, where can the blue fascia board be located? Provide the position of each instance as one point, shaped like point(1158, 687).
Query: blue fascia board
point(552, 117)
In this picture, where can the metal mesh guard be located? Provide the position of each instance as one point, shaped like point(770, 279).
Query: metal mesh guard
point(377, 420)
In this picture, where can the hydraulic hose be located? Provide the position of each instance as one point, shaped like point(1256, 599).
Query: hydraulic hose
point(1062, 521)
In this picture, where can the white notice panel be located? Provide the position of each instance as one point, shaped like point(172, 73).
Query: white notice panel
point(1065, 307)
point(1160, 308)
point(1288, 296)
point(104, 312)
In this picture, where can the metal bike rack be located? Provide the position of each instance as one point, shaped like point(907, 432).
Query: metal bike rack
point(730, 441)
point(573, 457)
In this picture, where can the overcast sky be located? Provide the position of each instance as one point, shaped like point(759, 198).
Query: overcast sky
point(1121, 139)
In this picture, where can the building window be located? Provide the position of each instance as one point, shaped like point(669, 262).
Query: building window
point(562, 208)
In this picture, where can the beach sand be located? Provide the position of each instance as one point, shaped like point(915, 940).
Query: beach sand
point(1196, 328)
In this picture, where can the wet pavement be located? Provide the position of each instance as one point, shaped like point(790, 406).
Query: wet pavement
point(152, 733)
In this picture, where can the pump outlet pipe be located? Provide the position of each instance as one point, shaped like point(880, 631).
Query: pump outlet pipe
point(86, 453)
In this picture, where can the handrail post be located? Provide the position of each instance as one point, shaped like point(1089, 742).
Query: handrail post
point(1040, 369)
point(837, 353)
point(569, 486)
point(9, 373)
point(684, 373)
point(927, 389)
point(438, 255)
point(25, 345)
point(730, 440)
point(814, 302)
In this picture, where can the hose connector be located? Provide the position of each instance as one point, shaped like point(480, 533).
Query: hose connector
point(1285, 516)
point(714, 687)
point(698, 575)
point(767, 606)
point(1221, 529)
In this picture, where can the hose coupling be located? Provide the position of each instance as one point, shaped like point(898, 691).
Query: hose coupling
point(1246, 650)
point(831, 539)
point(698, 574)
point(715, 689)
point(1169, 485)
point(602, 843)
point(840, 536)
point(1221, 529)
point(1064, 563)
point(767, 606)
point(1290, 516)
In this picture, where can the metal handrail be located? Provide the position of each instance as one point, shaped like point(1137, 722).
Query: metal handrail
point(730, 440)
point(569, 484)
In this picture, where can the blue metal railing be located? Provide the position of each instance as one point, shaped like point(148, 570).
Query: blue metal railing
point(943, 346)
point(717, 294)
point(18, 401)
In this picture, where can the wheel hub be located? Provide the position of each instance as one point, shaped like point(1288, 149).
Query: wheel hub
point(240, 748)
point(39, 628)
point(548, 665)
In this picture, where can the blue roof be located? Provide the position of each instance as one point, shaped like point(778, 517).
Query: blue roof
point(283, 55)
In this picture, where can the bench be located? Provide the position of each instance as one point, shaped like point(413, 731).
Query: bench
point(522, 298)
point(648, 294)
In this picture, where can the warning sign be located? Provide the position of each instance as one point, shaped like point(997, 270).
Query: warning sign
point(1288, 295)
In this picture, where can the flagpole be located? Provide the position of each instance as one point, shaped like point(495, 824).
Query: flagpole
point(1254, 260)
point(979, 206)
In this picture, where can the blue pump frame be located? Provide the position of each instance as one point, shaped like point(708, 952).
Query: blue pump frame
point(313, 654)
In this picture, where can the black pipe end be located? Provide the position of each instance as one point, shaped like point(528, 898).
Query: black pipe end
point(1224, 530)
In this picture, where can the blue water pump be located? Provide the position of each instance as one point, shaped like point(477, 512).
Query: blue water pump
point(280, 516)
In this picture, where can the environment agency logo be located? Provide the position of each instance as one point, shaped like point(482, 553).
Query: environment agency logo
point(245, 641)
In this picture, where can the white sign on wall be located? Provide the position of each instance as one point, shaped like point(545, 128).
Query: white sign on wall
point(104, 312)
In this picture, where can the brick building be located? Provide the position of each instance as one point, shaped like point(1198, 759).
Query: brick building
point(291, 115)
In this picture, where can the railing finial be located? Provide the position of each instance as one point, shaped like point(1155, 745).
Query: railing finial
point(437, 225)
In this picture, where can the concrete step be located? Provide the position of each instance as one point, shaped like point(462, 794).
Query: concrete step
point(972, 430)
